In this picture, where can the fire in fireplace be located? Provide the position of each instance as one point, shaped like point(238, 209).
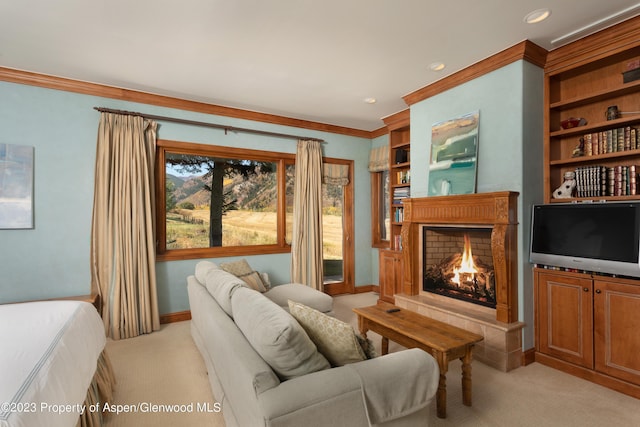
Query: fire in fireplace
point(458, 263)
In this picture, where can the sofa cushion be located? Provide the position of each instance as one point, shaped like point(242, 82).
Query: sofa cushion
point(202, 269)
point(243, 270)
point(221, 285)
point(303, 294)
point(275, 335)
point(335, 339)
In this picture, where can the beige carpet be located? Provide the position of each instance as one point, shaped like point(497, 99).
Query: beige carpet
point(166, 368)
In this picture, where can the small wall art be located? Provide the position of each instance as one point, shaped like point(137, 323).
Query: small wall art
point(16, 186)
point(454, 152)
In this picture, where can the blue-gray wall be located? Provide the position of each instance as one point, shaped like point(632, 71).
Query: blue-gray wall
point(52, 260)
point(509, 149)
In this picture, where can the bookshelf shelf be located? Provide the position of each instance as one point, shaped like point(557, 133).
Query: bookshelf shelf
point(582, 85)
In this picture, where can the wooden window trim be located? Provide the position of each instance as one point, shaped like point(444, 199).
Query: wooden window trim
point(376, 200)
point(162, 254)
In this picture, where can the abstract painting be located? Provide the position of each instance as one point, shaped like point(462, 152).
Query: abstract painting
point(454, 151)
point(16, 186)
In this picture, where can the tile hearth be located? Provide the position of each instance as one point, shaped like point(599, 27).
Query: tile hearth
point(502, 344)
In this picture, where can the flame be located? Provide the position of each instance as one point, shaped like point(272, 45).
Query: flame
point(467, 265)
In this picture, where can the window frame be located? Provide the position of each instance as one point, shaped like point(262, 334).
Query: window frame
point(281, 159)
point(377, 205)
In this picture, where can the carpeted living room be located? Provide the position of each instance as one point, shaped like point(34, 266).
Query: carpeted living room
point(166, 368)
point(299, 213)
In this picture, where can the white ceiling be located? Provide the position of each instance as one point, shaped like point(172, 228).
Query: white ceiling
point(314, 60)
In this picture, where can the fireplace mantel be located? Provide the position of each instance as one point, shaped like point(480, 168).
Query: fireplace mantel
point(497, 210)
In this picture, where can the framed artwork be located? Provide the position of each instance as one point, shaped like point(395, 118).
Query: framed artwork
point(16, 186)
point(454, 152)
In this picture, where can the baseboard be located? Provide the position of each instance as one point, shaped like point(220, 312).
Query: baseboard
point(366, 288)
point(528, 356)
point(175, 317)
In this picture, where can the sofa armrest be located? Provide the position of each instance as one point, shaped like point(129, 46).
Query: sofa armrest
point(401, 383)
point(397, 384)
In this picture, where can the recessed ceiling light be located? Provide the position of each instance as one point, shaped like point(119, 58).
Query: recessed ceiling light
point(370, 100)
point(437, 66)
point(537, 16)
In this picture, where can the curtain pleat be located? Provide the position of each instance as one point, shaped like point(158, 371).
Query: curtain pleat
point(306, 245)
point(335, 174)
point(379, 159)
point(123, 228)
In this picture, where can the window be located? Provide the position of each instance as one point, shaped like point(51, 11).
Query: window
point(220, 201)
point(380, 221)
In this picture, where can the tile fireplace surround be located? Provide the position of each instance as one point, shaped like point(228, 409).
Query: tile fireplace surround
point(502, 332)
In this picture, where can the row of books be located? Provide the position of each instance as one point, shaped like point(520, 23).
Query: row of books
point(397, 242)
point(403, 177)
point(611, 141)
point(595, 181)
point(400, 193)
point(398, 215)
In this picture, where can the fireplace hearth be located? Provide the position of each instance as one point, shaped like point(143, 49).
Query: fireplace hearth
point(458, 263)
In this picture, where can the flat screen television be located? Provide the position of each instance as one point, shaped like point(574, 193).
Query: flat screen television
point(598, 237)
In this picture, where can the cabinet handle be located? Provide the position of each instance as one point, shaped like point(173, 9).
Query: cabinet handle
point(585, 289)
point(598, 291)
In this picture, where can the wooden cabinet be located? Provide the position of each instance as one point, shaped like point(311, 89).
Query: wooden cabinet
point(588, 326)
point(391, 274)
point(582, 80)
point(617, 326)
point(565, 322)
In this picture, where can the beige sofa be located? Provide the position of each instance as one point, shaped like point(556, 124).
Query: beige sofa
point(265, 370)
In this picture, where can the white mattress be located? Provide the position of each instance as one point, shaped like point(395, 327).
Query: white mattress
point(48, 354)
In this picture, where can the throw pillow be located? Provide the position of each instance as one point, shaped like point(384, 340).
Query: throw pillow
point(244, 272)
point(275, 335)
point(335, 339)
point(237, 268)
point(367, 347)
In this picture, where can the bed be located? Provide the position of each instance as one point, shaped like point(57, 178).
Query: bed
point(53, 369)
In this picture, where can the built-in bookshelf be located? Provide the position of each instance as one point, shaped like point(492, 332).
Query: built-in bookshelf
point(391, 264)
point(400, 178)
point(598, 82)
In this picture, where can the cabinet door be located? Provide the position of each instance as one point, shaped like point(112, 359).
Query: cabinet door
point(565, 318)
point(390, 275)
point(617, 330)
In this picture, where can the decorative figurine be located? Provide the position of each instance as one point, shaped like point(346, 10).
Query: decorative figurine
point(565, 191)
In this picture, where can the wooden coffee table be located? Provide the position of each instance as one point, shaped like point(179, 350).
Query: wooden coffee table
point(412, 330)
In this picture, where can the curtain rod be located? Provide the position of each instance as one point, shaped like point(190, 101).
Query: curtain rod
point(205, 124)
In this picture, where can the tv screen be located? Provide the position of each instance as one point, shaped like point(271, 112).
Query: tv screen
point(601, 237)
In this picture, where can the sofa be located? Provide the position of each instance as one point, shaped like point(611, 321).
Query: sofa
point(265, 370)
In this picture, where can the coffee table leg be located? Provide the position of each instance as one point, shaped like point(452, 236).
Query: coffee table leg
point(362, 325)
point(466, 376)
point(441, 395)
point(384, 346)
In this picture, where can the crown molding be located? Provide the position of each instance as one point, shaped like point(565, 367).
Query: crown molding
point(606, 42)
point(525, 50)
point(94, 89)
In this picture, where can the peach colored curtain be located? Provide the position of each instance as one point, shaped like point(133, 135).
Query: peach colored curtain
point(123, 225)
point(306, 245)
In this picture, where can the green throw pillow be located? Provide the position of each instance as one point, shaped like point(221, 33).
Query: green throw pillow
point(335, 339)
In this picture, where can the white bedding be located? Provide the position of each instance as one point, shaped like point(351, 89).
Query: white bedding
point(48, 355)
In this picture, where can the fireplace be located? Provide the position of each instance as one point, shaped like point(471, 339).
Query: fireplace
point(487, 301)
point(458, 263)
